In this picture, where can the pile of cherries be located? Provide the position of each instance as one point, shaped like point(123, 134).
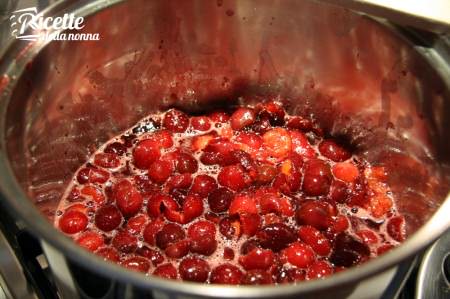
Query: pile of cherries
point(255, 196)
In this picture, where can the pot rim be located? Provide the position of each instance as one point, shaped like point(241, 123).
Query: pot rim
point(21, 206)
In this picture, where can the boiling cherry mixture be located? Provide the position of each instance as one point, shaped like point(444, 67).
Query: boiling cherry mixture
point(255, 196)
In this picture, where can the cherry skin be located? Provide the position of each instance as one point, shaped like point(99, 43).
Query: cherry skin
point(72, 222)
point(299, 254)
point(176, 121)
point(170, 233)
point(333, 151)
point(90, 240)
point(220, 199)
point(276, 236)
point(124, 241)
point(203, 185)
point(317, 178)
point(194, 269)
point(241, 118)
point(128, 199)
point(226, 274)
point(202, 235)
point(107, 218)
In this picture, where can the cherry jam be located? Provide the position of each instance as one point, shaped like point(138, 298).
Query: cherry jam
point(255, 196)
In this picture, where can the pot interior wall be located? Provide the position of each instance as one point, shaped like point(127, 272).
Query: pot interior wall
point(360, 81)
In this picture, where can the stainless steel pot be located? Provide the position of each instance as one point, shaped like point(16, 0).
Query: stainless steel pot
point(362, 79)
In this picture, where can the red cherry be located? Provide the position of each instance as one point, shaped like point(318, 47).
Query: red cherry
point(108, 254)
point(333, 151)
point(186, 163)
point(219, 116)
point(299, 255)
point(178, 249)
point(299, 123)
point(315, 213)
point(301, 146)
point(106, 160)
point(346, 172)
point(249, 245)
point(396, 228)
point(243, 204)
point(272, 203)
point(265, 173)
point(127, 197)
point(160, 170)
point(176, 121)
point(288, 183)
point(154, 256)
point(220, 199)
point(274, 112)
point(145, 153)
point(319, 269)
point(116, 148)
point(272, 218)
point(250, 223)
point(169, 234)
point(230, 227)
point(249, 142)
point(339, 191)
point(277, 142)
point(257, 277)
point(150, 231)
point(218, 152)
point(314, 238)
point(276, 236)
point(163, 138)
point(194, 269)
point(179, 181)
point(203, 185)
point(136, 263)
point(167, 271)
point(192, 208)
point(90, 240)
point(136, 224)
point(368, 237)
point(317, 178)
point(257, 259)
point(124, 242)
point(200, 123)
point(94, 193)
point(226, 274)
point(92, 175)
point(245, 160)
point(159, 203)
point(108, 218)
point(145, 185)
point(233, 177)
point(72, 222)
point(203, 237)
point(340, 224)
point(241, 118)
